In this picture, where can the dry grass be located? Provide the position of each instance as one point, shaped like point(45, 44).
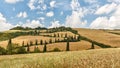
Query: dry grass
point(101, 36)
point(101, 58)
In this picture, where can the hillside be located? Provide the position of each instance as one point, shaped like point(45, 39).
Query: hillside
point(99, 58)
point(100, 36)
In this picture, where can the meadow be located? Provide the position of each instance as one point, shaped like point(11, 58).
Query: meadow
point(99, 58)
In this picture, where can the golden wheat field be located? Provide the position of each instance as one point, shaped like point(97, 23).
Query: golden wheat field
point(99, 58)
point(100, 36)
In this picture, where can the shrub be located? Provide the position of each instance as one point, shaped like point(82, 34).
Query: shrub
point(56, 50)
point(21, 50)
point(2, 51)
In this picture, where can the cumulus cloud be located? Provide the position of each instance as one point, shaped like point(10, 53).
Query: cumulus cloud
point(55, 23)
point(37, 4)
point(3, 23)
point(50, 14)
point(52, 4)
point(108, 22)
point(75, 19)
point(106, 9)
point(12, 1)
point(22, 15)
point(32, 24)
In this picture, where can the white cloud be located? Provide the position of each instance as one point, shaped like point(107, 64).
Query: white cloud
point(37, 4)
point(75, 19)
point(55, 23)
point(108, 22)
point(52, 4)
point(12, 1)
point(91, 1)
point(106, 9)
point(32, 24)
point(22, 14)
point(3, 23)
point(100, 23)
point(115, 1)
point(50, 14)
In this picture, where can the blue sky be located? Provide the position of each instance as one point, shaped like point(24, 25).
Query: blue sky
point(96, 14)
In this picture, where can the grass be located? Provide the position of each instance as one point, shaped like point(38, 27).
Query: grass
point(100, 58)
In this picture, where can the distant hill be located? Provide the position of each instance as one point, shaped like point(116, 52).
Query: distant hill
point(27, 28)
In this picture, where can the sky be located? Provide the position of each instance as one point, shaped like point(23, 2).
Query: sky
point(93, 14)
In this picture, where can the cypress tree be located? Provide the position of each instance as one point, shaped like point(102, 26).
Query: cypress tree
point(66, 35)
point(9, 46)
point(41, 42)
point(58, 35)
point(31, 43)
point(23, 44)
point(50, 41)
point(92, 46)
point(67, 46)
point(36, 42)
point(45, 47)
point(78, 38)
point(36, 50)
point(28, 47)
point(54, 35)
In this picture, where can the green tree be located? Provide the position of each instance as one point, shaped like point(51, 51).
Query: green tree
point(92, 46)
point(23, 44)
point(67, 46)
point(36, 42)
point(36, 50)
point(45, 47)
point(66, 35)
point(41, 42)
point(28, 47)
point(31, 43)
point(58, 35)
point(54, 35)
point(78, 38)
point(50, 41)
point(9, 46)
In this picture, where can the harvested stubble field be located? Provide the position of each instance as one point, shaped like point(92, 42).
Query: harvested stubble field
point(100, 36)
point(99, 58)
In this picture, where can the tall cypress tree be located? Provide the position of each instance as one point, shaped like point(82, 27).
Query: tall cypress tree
point(9, 46)
point(41, 42)
point(36, 42)
point(23, 44)
point(31, 43)
point(45, 47)
point(28, 47)
point(92, 46)
point(67, 46)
